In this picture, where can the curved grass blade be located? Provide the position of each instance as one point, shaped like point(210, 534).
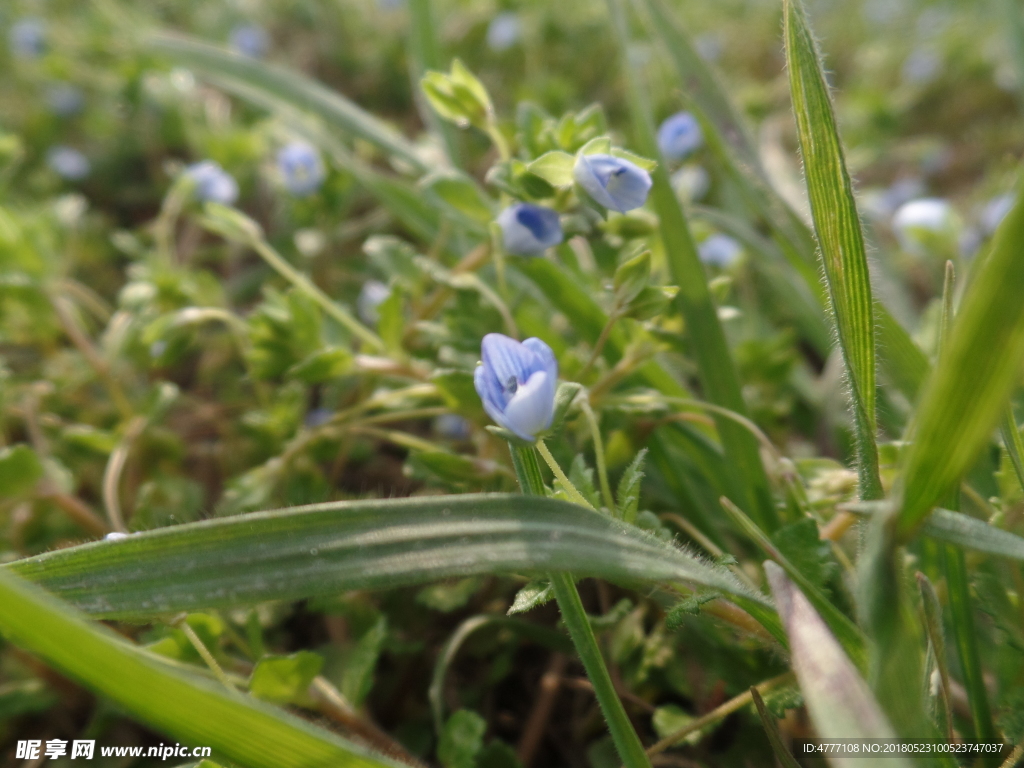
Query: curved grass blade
point(186, 706)
point(838, 700)
point(771, 729)
point(839, 235)
point(299, 91)
point(327, 548)
point(970, 386)
point(719, 379)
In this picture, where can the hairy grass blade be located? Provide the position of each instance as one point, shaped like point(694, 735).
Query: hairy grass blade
point(839, 235)
point(186, 706)
point(837, 698)
point(327, 548)
point(969, 388)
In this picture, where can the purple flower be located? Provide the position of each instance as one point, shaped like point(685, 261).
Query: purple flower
point(613, 182)
point(504, 31)
point(212, 183)
point(679, 136)
point(27, 37)
point(68, 163)
point(719, 250)
point(301, 167)
point(250, 40)
point(517, 383)
point(528, 230)
point(64, 99)
point(371, 296)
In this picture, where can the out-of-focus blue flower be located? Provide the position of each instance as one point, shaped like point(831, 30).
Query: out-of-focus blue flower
point(517, 383)
point(921, 66)
point(250, 40)
point(919, 223)
point(995, 211)
point(719, 250)
point(613, 182)
point(318, 417)
point(452, 427)
point(68, 163)
point(64, 99)
point(691, 182)
point(371, 296)
point(528, 230)
point(504, 31)
point(27, 37)
point(679, 136)
point(709, 46)
point(212, 183)
point(301, 167)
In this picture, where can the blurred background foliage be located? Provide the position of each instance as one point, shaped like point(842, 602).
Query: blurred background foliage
point(129, 331)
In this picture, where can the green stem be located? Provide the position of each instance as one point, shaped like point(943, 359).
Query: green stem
point(628, 744)
point(307, 286)
point(602, 469)
point(574, 495)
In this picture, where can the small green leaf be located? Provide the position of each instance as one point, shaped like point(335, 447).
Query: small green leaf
point(449, 596)
point(458, 96)
point(322, 365)
point(461, 740)
point(285, 679)
point(643, 162)
point(20, 470)
point(652, 302)
point(231, 224)
point(771, 729)
point(600, 145)
point(631, 277)
point(357, 679)
point(671, 718)
point(460, 195)
point(628, 492)
point(554, 167)
point(801, 545)
point(533, 595)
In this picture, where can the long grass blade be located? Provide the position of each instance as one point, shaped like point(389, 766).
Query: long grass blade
point(839, 235)
point(327, 548)
point(186, 706)
point(971, 384)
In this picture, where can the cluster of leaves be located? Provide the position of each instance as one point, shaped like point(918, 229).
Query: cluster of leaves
point(171, 370)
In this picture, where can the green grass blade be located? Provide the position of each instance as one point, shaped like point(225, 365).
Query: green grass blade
point(186, 706)
point(838, 700)
point(839, 235)
point(719, 379)
point(968, 390)
point(771, 729)
point(327, 548)
point(299, 91)
point(1013, 443)
point(425, 54)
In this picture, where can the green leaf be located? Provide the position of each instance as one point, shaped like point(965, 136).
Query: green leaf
point(837, 227)
point(631, 277)
point(597, 145)
point(970, 386)
point(838, 700)
point(628, 493)
point(461, 739)
point(20, 470)
point(182, 704)
point(771, 729)
point(458, 96)
point(285, 679)
point(324, 549)
point(800, 544)
point(554, 167)
point(295, 89)
point(671, 718)
point(533, 595)
point(460, 195)
point(643, 162)
point(357, 679)
point(322, 365)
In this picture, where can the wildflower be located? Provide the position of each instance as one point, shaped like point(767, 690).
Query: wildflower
point(719, 250)
point(301, 167)
point(372, 295)
point(317, 417)
point(68, 163)
point(517, 383)
point(528, 230)
point(921, 66)
point(452, 427)
point(679, 136)
point(250, 40)
point(504, 31)
point(212, 183)
point(27, 37)
point(612, 181)
point(64, 99)
point(923, 223)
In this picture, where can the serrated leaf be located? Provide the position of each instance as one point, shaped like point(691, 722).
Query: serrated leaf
point(800, 544)
point(628, 493)
point(533, 595)
point(838, 231)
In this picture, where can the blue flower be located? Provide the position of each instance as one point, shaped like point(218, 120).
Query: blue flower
point(504, 31)
point(301, 167)
point(679, 136)
point(68, 163)
point(923, 224)
point(371, 296)
point(528, 230)
point(719, 251)
point(64, 99)
point(250, 40)
point(453, 427)
point(27, 37)
point(212, 183)
point(613, 182)
point(517, 383)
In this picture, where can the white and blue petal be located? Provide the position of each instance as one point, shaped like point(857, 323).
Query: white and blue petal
point(612, 181)
point(679, 136)
point(528, 230)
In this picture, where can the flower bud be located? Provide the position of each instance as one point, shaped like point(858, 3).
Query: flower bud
point(679, 136)
point(301, 168)
point(212, 184)
point(529, 230)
